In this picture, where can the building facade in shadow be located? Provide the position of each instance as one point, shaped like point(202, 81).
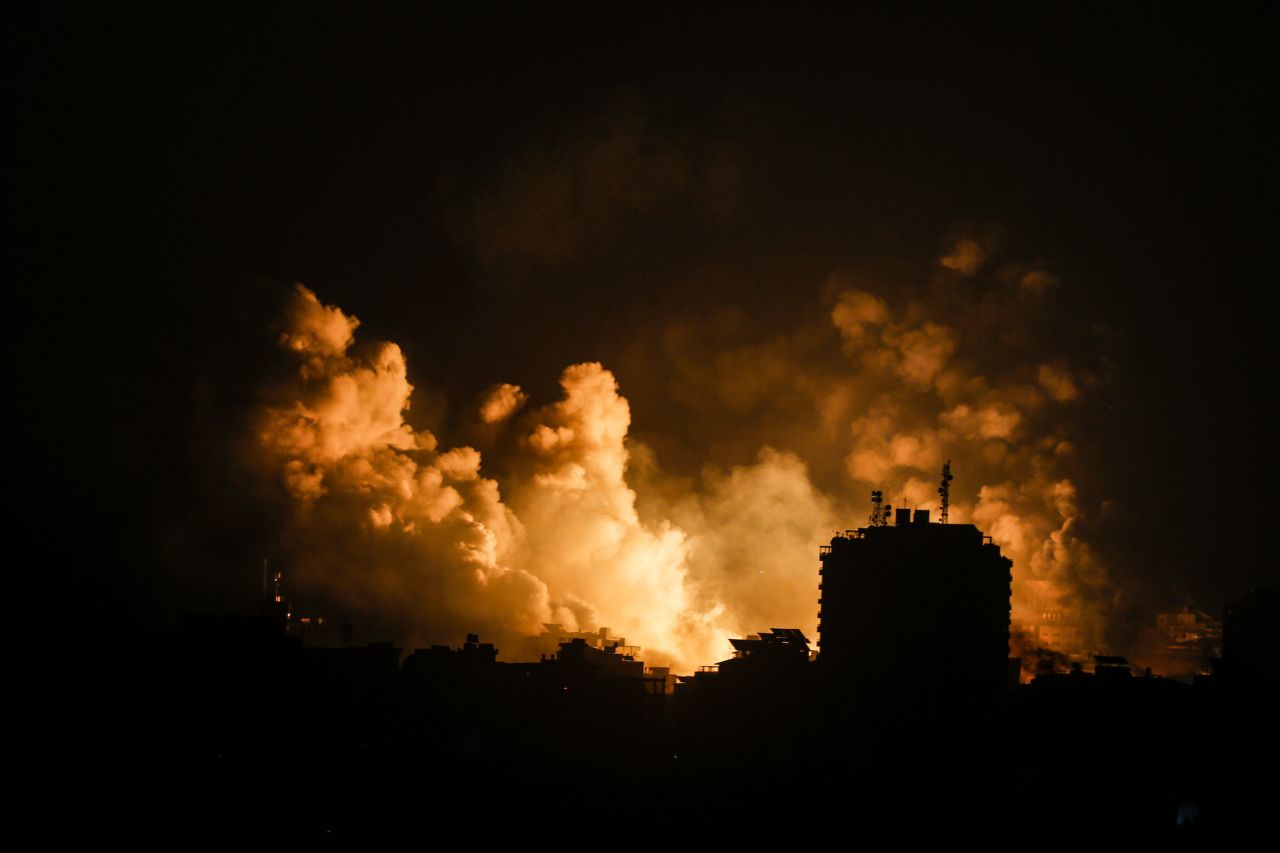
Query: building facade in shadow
point(914, 608)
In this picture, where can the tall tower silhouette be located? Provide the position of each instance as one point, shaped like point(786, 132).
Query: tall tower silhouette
point(915, 607)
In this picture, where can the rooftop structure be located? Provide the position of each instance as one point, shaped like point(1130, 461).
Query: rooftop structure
point(915, 603)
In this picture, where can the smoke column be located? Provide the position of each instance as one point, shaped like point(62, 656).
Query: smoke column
point(587, 527)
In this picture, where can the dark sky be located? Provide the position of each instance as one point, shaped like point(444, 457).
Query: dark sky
point(175, 172)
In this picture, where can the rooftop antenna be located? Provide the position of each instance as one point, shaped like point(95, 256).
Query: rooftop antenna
point(945, 489)
point(877, 509)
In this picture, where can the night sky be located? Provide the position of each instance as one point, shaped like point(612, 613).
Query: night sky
point(508, 191)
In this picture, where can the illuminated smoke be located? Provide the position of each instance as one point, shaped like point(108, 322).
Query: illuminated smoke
point(383, 521)
point(889, 375)
point(592, 526)
point(502, 402)
point(585, 538)
point(418, 539)
point(753, 530)
point(1058, 383)
point(932, 390)
point(966, 257)
point(906, 378)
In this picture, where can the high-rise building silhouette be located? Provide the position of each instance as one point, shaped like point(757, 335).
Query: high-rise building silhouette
point(915, 607)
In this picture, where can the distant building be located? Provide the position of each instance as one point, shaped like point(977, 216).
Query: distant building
point(915, 607)
point(1054, 626)
point(1251, 639)
point(441, 661)
point(780, 648)
point(1188, 628)
point(1181, 644)
point(555, 635)
point(756, 704)
point(1111, 667)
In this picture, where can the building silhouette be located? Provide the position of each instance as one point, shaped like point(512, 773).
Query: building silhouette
point(1251, 641)
point(913, 608)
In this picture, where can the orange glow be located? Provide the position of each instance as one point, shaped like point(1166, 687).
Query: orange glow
point(399, 526)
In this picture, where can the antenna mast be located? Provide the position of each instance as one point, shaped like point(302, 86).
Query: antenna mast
point(945, 489)
point(877, 509)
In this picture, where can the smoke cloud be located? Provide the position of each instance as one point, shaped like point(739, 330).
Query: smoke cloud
point(587, 524)
point(906, 376)
point(936, 390)
point(416, 537)
point(383, 521)
point(965, 257)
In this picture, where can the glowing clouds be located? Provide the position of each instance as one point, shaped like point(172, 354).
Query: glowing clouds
point(316, 330)
point(383, 524)
point(915, 352)
point(584, 536)
point(419, 541)
point(965, 257)
point(1037, 523)
point(1037, 281)
point(785, 435)
point(586, 428)
point(933, 388)
point(752, 540)
point(857, 314)
point(986, 422)
point(501, 402)
point(1058, 383)
point(922, 352)
point(340, 406)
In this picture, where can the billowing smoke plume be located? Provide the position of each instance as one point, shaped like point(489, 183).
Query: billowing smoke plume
point(591, 526)
point(934, 390)
point(947, 377)
point(415, 536)
point(385, 521)
point(900, 379)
